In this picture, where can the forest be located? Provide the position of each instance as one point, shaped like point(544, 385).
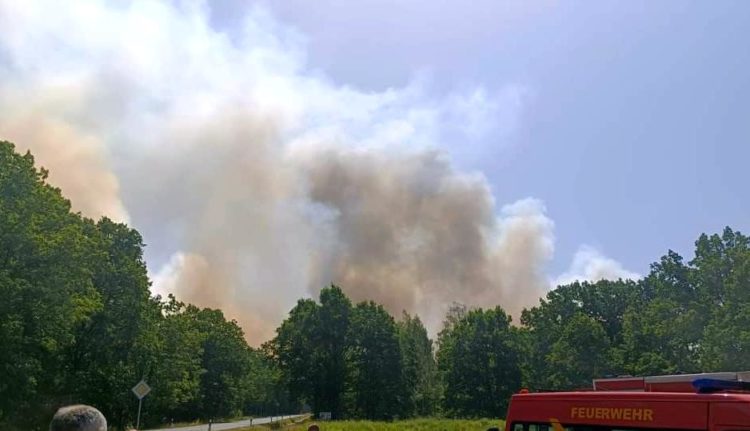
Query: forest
point(78, 324)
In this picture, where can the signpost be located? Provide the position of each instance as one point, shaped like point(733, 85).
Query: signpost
point(140, 390)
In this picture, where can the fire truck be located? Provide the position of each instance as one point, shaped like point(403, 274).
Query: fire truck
point(683, 402)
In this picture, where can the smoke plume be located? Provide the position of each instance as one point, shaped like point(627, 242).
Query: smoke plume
point(256, 181)
point(590, 265)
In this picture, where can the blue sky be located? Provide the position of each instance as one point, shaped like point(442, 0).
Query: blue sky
point(636, 133)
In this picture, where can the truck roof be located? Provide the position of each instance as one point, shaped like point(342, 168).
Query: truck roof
point(634, 396)
point(669, 382)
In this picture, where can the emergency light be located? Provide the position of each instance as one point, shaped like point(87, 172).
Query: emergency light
point(707, 386)
point(709, 382)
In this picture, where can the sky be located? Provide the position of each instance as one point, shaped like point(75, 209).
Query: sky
point(417, 153)
point(635, 127)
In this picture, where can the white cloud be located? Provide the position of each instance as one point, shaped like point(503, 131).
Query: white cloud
point(478, 114)
point(590, 265)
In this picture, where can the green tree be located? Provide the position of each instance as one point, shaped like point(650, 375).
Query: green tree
point(206, 369)
point(177, 372)
point(331, 340)
point(726, 344)
point(723, 276)
point(224, 362)
point(116, 347)
point(265, 388)
point(658, 339)
point(478, 358)
point(310, 349)
point(580, 354)
point(46, 283)
point(662, 330)
point(605, 302)
point(374, 362)
point(294, 349)
point(715, 259)
point(420, 376)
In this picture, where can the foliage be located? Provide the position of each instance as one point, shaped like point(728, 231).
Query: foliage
point(419, 369)
point(681, 318)
point(48, 257)
point(374, 363)
point(580, 352)
point(479, 359)
point(604, 302)
point(341, 359)
point(310, 349)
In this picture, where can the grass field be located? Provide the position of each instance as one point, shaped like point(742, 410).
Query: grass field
point(411, 425)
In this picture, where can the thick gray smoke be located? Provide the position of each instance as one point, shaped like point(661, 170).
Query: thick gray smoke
point(255, 181)
point(412, 233)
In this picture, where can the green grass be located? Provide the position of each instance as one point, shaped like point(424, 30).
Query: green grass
point(286, 424)
point(412, 425)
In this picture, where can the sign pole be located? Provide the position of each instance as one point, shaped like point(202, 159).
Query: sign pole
point(138, 421)
point(140, 390)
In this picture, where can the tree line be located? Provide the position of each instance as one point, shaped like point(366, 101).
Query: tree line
point(79, 324)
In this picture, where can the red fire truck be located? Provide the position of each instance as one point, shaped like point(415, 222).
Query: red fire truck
point(708, 402)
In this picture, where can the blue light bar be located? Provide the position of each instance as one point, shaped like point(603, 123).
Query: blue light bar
point(707, 386)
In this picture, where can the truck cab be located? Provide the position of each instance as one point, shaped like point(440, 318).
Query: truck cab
point(708, 402)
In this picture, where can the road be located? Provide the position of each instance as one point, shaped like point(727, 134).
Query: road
point(228, 425)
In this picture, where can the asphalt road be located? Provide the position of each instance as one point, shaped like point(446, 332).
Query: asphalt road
point(228, 425)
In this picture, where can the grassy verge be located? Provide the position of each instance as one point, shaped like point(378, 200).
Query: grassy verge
point(410, 425)
point(286, 424)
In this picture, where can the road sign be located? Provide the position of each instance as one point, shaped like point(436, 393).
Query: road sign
point(141, 389)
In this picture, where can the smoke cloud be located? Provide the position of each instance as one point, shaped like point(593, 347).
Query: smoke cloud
point(80, 167)
point(412, 233)
point(256, 181)
point(590, 265)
